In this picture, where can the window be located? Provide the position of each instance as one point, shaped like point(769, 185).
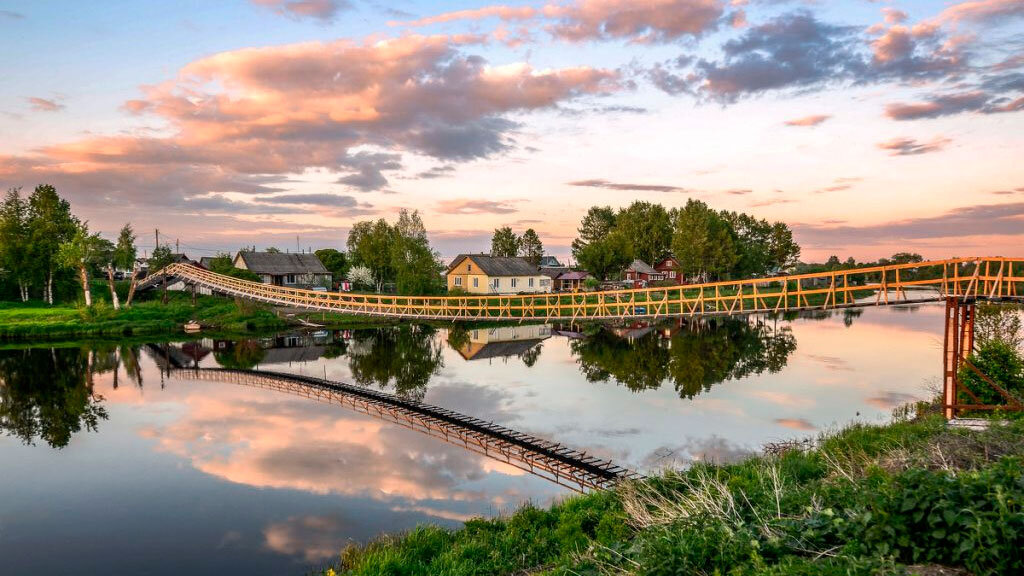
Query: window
point(469, 267)
point(514, 282)
point(496, 283)
point(290, 279)
point(458, 280)
point(531, 282)
point(476, 282)
point(545, 281)
point(671, 273)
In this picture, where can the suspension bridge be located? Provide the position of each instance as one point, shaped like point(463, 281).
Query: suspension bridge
point(994, 278)
point(564, 466)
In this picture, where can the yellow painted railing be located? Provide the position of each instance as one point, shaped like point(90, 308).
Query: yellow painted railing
point(980, 278)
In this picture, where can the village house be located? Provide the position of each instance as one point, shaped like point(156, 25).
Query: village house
point(485, 274)
point(550, 262)
point(503, 341)
point(640, 273)
point(285, 269)
point(669, 266)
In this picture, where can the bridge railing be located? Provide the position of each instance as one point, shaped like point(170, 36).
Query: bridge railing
point(982, 278)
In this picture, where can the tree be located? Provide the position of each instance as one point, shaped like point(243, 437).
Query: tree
point(15, 257)
point(417, 267)
point(596, 225)
point(531, 247)
point(783, 251)
point(361, 276)
point(273, 250)
point(647, 228)
point(505, 243)
point(82, 252)
point(124, 257)
point(703, 242)
point(606, 256)
point(50, 224)
point(161, 258)
point(369, 245)
point(335, 261)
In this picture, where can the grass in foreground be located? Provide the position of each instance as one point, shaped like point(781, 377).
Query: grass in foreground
point(908, 498)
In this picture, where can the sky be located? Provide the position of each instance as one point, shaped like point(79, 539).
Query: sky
point(870, 127)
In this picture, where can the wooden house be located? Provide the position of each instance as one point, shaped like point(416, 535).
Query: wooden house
point(285, 269)
point(640, 273)
point(485, 274)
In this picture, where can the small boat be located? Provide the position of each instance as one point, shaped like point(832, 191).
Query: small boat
point(192, 327)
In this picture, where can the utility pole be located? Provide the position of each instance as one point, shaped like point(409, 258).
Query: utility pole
point(297, 248)
point(157, 237)
point(177, 249)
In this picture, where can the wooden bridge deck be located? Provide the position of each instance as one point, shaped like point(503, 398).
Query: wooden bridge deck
point(552, 461)
point(969, 278)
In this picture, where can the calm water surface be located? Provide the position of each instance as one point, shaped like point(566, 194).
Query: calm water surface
point(110, 465)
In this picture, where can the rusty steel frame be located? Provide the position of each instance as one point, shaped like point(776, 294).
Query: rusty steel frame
point(958, 344)
point(977, 278)
point(549, 460)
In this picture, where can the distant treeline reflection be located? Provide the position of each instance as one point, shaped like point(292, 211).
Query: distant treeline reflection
point(693, 356)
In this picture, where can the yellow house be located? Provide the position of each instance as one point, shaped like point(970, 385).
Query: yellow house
point(484, 274)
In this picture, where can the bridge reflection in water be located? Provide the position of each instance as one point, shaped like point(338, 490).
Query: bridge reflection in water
point(549, 460)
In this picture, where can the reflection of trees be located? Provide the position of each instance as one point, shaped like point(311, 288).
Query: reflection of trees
point(405, 357)
point(639, 365)
point(243, 355)
point(693, 358)
point(530, 356)
point(46, 394)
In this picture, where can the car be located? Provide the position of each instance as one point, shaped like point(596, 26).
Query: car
point(319, 289)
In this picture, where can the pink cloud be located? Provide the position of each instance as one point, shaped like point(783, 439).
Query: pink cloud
point(469, 206)
point(912, 147)
point(44, 104)
point(651, 21)
point(498, 11)
point(812, 120)
point(982, 11)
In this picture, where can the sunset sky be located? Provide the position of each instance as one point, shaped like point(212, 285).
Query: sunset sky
point(869, 126)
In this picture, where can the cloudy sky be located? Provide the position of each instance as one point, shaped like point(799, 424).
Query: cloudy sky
point(869, 126)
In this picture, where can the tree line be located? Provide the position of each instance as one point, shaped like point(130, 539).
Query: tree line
point(42, 244)
point(708, 244)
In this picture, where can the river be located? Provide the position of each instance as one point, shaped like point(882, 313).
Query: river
point(110, 464)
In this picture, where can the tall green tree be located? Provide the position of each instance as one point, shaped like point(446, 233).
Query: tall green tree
point(531, 248)
point(51, 224)
point(369, 245)
point(505, 243)
point(417, 267)
point(606, 257)
point(596, 225)
point(703, 242)
point(783, 251)
point(15, 256)
point(647, 228)
point(124, 256)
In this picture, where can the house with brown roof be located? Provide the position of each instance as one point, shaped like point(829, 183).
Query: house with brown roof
point(669, 266)
point(486, 274)
point(285, 269)
point(640, 272)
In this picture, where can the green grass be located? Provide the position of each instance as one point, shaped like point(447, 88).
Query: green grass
point(896, 499)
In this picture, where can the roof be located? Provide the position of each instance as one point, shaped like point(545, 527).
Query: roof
point(642, 267)
point(205, 261)
point(575, 275)
point(498, 265)
point(553, 271)
point(279, 263)
point(666, 260)
point(549, 262)
point(503, 349)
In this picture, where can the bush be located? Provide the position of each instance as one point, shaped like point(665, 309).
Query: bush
point(1000, 362)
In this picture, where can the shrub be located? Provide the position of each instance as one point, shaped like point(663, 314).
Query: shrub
point(1000, 362)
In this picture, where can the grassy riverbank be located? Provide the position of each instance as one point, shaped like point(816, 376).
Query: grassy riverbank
point(36, 321)
point(913, 497)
